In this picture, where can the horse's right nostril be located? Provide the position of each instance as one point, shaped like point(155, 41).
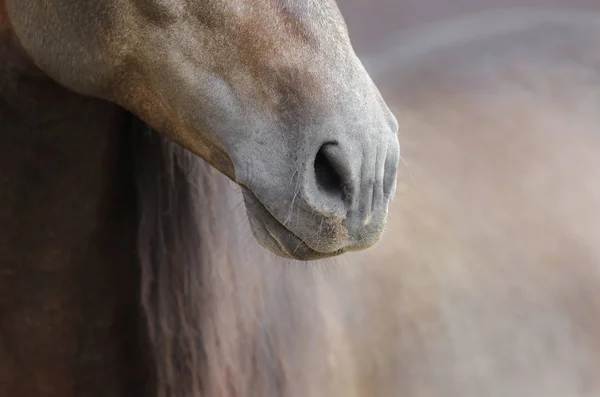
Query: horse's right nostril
point(330, 171)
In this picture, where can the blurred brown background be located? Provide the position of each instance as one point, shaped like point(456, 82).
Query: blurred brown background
point(370, 22)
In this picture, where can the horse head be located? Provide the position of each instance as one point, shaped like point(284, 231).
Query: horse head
point(269, 92)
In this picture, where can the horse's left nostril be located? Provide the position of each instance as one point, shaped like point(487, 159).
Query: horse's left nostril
point(330, 171)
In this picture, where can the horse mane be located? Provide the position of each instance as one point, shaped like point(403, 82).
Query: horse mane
point(224, 317)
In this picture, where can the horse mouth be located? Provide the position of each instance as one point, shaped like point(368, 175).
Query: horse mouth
point(275, 236)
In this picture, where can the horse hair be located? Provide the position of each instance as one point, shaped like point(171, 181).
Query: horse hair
point(223, 319)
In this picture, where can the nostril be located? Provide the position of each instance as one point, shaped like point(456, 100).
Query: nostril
point(328, 174)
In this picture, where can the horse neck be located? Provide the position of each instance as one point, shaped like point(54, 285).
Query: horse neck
point(67, 236)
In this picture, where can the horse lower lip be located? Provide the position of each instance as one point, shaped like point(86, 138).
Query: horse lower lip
point(276, 236)
point(282, 247)
point(299, 244)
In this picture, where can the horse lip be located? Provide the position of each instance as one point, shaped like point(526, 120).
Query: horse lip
point(301, 245)
point(279, 244)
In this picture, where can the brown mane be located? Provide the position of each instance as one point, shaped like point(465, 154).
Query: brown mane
point(225, 318)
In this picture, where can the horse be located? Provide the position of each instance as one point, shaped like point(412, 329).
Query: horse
point(472, 289)
point(486, 281)
point(114, 239)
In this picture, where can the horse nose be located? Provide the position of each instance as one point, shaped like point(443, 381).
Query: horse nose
point(353, 182)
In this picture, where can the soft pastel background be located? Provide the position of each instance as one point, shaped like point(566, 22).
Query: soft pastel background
point(371, 22)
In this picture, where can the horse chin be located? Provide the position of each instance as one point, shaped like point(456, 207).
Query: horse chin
point(275, 237)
